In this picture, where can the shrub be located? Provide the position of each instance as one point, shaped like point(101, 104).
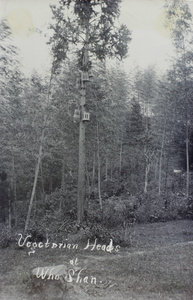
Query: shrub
point(97, 231)
point(7, 237)
point(55, 216)
point(118, 210)
point(166, 207)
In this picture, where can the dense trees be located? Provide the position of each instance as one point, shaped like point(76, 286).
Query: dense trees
point(139, 138)
point(92, 31)
point(179, 18)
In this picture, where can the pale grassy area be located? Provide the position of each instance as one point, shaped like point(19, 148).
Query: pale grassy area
point(157, 266)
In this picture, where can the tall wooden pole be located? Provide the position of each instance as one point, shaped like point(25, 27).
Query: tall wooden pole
point(82, 158)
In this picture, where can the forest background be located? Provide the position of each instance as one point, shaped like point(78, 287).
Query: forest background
point(138, 140)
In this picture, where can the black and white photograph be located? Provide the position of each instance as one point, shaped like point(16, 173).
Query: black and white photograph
point(96, 149)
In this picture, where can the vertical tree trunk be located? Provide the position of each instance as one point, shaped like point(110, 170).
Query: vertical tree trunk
point(160, 173)
point(156, 169)
point(187, 125)
point(147, 168)
point(99, 167)
point(120, 157)
point(42, 138)
point(106, 169)
point(160, 160)
point(62, 182)
point(148, 161)
point(187, 152)
point(35, 181)
point(187, 136)
point(14, 189)
point(166, 170)
point(88, 180)
point(93, 172)
point(146, 152)
point(82, 163)
point(35, 205)
point(63, 171)
point(51, 183)
point(82, 156)
point(111, 171)
point(42, 179)
point(9, 211)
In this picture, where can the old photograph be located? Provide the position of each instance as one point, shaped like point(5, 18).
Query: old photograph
point(96, 151)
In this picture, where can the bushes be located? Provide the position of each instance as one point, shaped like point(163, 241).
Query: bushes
point(116, 211)
point(156, 208)
point(7, 238)
point(97, 231)
point(54, 215)
point(186, 211)
point(141, 209)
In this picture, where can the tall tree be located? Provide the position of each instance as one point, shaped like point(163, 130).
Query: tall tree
point(89, 25)
point(41, 140)
point(11, 88)
point(179, 21)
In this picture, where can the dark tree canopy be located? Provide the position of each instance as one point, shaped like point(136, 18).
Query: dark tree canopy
point(134, 127)
point(90, 25)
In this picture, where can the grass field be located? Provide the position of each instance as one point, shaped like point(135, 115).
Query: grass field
point(157, 265)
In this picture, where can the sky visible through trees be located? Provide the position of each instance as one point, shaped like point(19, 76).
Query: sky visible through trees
point(151, 42)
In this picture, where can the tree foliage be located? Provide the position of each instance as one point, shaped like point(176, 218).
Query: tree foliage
point(95, 17)
point(136, 139)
